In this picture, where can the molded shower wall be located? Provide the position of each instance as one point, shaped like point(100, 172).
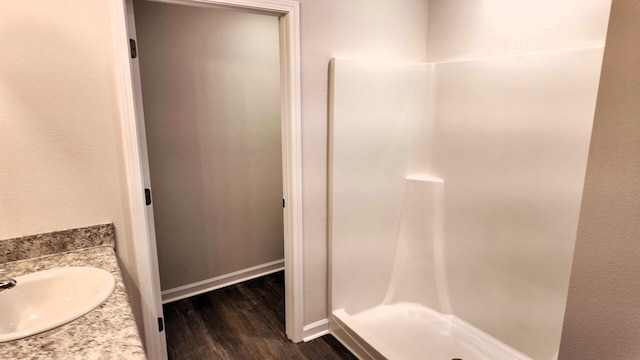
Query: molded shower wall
point(511, 141)
point(457, 186)
point(373, 106)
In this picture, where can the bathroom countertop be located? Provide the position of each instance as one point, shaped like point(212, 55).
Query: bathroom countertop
point(107, 332)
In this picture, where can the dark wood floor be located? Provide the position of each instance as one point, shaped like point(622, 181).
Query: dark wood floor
point(243, 321)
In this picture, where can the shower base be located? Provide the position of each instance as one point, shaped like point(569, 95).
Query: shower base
point(412, 331)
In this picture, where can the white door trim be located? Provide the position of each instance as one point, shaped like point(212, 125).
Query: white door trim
point(137, 171)
point(137, 176)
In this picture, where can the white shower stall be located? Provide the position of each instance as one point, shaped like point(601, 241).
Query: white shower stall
point(454, 195)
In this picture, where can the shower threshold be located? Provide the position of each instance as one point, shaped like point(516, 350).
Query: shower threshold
point(406, 331)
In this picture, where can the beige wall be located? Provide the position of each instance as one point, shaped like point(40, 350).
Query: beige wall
point(603, 309)
point(59, 160)
point(60, 154)
point(211, 91)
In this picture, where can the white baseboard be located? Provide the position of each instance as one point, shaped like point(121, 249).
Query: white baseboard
point(315, 330)
point(200, 287)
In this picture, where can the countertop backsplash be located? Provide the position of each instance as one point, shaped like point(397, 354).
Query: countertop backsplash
point(30, 246)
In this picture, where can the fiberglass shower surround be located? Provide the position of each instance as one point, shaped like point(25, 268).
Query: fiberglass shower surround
point(454, 199)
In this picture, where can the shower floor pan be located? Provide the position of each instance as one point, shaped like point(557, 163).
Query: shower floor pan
point(411, 331)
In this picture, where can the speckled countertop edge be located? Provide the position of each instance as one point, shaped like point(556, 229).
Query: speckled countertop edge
point(107, 332)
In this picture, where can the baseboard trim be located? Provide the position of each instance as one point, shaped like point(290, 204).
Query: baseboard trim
point(315, 330)
point(200, 287)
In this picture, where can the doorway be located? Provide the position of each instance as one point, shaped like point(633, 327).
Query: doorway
point(134, 138)
point(211, 92)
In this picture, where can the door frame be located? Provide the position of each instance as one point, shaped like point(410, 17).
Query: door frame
point(127, 73)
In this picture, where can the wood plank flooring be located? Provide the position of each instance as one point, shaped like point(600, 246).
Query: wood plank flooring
point(243, 321)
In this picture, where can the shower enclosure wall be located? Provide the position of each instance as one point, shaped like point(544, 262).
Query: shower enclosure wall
point(454, 194)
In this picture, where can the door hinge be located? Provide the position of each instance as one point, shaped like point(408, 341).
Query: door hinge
point(283, 203)
point(160, 324)
point(132, 47)
point(147, 196)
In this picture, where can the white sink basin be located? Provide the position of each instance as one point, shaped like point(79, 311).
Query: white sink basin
point(46, 299)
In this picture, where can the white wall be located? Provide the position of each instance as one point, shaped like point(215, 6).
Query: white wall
point(60, 153)
point(211, 91)
point(601, 320)
point(463, 29)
